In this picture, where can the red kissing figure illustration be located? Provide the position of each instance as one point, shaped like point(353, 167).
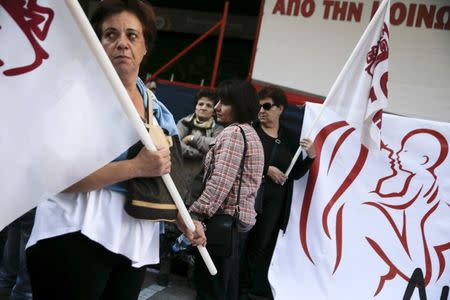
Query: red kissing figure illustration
point(417, 201)
point(34, 21)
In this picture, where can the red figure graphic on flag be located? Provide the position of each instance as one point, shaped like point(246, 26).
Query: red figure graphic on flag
point(334, 203)
point(415, 203)
point(34, 21)
point(375, 67)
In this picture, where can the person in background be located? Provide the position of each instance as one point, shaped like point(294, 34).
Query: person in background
point(280, 146)
point(237, 106)
point(197, 131)
point(83, 244)
point(14, 278)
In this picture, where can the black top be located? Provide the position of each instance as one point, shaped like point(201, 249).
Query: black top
point(277, 198)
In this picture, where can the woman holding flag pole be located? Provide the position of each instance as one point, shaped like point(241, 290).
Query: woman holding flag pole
point(279, 148)
point(84, 245)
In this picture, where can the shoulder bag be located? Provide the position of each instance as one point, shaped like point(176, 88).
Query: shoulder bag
point(148, 197)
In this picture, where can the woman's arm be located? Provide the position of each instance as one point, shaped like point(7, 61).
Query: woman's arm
point(190, 152)
point(302, 165)
point(300, 168)
point(182, 129)
point(276, 175)
point(186, 150)
point(146, 164)
point(201, 142)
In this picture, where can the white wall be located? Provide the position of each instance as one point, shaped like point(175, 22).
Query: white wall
point(306, 53)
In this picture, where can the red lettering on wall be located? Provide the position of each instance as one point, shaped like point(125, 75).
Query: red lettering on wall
point(398, 13)
point(440, 18)
point(308, 7)
point(343, 10)
point(354, 12)
point(411, 15)
point(375, 6)
point(279, 7)
point(291, 3)
point(326, 12)
point(339, 11)
point(426, 15)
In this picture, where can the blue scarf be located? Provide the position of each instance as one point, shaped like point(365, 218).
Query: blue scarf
point(160, 112)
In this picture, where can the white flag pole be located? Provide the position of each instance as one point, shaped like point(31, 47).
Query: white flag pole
point(118, 87)
point(340, 77)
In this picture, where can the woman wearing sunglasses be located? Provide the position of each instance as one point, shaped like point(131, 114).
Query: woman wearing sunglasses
point(279, 146)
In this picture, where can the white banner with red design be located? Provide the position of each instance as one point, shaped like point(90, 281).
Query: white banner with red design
point(59, 119)
point(361, 222)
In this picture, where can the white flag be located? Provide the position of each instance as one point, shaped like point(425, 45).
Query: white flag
point(360, 226)
point(59, 119)
point(359, 94)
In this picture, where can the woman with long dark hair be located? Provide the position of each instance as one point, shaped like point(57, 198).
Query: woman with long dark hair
point(237, 106)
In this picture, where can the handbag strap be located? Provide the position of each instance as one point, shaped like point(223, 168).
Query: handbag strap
point(149, 107)
point(272, 154)
point(237, 212)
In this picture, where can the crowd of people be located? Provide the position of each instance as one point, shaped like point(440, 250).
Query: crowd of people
point(81, 244)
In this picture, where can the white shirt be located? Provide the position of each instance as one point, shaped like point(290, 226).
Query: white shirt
point(100, 216)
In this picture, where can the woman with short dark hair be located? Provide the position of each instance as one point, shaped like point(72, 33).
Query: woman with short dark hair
point(275, 93)
point(280, 146)
point(84, 246)
point(142, 10)
point(198, 131)
point(237, 106)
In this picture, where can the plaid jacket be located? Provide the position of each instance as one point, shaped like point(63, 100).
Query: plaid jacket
point(223, 162)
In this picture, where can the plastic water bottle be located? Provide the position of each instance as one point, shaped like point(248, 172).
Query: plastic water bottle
point(181, 243)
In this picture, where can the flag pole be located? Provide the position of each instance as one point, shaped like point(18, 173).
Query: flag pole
point(337, 82)
point(119, 89)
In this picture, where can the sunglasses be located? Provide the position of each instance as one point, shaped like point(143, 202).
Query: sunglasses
point(267, 106)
